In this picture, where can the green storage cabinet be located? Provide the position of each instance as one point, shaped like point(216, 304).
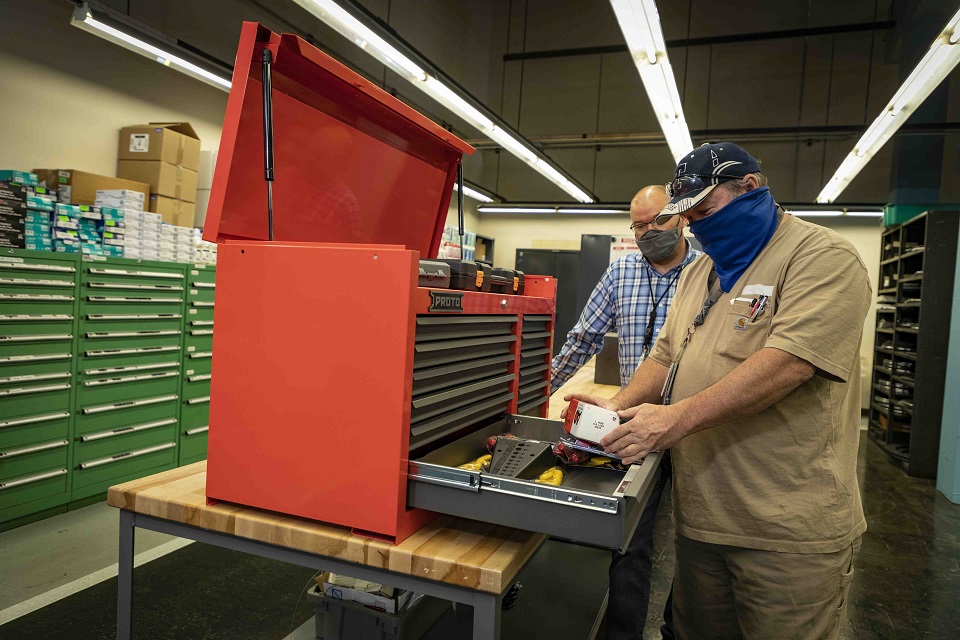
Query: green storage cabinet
point(38, 344)
point(130, 356)
point(198, 353)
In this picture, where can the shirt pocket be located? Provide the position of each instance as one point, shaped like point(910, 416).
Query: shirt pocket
point(739, 338)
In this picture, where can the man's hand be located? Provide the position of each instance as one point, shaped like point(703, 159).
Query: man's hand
point(606, 403)
point(652, 427)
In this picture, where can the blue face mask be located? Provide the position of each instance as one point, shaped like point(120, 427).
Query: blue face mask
point(734, 235)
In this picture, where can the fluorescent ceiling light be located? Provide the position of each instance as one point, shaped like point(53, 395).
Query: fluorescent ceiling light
point(516, 209)
point(940, 59)
point(547, 209)
point(865, 214)
point(84, 19)
point(588, 211)
point(816, 214)
point(473, 193)
point(640, 23)
point(364, 37)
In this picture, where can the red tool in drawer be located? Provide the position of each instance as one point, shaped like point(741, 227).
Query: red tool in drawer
point(330, 364)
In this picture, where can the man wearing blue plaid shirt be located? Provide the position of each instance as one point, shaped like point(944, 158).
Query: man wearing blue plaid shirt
point(632, 298)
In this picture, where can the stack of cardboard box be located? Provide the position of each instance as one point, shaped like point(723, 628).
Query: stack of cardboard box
point(176, 243)
point(80, 187)
point(203, 251)
point(166, 156)
point(77, 228)
point(25, 211)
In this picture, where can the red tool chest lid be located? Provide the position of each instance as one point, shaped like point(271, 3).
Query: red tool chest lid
point(352, 163)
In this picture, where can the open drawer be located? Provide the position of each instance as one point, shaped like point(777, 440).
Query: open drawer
point(599, 507)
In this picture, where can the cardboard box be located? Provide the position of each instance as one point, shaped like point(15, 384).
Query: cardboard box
point(80, 187)
point(13, 208)
point(19, 177)
point(172, 142)
point(165, 179)
point(12, 224)
point(113, 251)
point(368, 594)
point(173, 211)
point(590, 422)
point(121, 195)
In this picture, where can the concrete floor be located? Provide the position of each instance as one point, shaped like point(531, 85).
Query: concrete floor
point(907, 583)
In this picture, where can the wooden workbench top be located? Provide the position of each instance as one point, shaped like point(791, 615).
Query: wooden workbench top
point(467, 553)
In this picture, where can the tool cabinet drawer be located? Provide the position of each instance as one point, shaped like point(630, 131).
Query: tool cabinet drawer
point(111, 415)
point(202, 273)
point(97, 358)
point(30, 284)
point(114, 304)
point(199, 315)
point(145, 384)
point(18, 302)
point(26, 264)
point(595, 506)
point(197, 362)
point(130, 337)
point(22, 490)
point(105, 444)
point(33, 429)
point(200, 290)
point(195, 411)
point(94, 476)
point(199, 339)
point(36, 364)
point(22, 461)
point(114, 322)
point(193, 444)
point(196, 386)
point(131, 272)
point(26, 399)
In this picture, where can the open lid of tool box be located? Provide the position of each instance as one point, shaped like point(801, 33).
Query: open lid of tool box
point(352, 163)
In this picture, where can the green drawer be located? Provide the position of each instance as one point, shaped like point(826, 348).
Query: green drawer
point(28, 399)
point(35, 343)
point(103, 417)
point(197, 362)
point(201, 314)
point(200, 291)
point(130, 272)
point(195, 385)
point(133, 337)
point(129, 287)
point(27, 324)
point(129, 370)
point(93, 477)
point(200, 339)
point(15, 303)
point(193, 444)
point(24, 490)
point(105, 390)
point(37, 266)
point(202, 273)
point(132, 304)
point(195, 412)
point(16, 462)
point(43, 427)
point(111, 358)
point(45, 364)
point(29, 284)
point(106, 323)
point(107, 444)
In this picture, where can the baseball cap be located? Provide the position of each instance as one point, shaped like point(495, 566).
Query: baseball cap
point(701, 170)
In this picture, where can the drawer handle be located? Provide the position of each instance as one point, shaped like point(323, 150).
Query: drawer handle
point(37, 478)
point(199, 378)
point(133, 299)
point(198, 303)
point(100, 435)
point(202, 354)
point(134, 316)
point(204, 285)
point(40, 337)
point(24, 282)
point(201, 332)
point(23, 266)
point(99, 353)
point(25, 390)
point(133, 367)
point(126, 405)
point(36, 297)
point(195, 431)
point(202, 323)
point(128, 454)
point(132, 334)
point(34, 419)
point(148, 376)
point(147, 287)
point(37, 358)
point(199, 400)
point(40, 447)
point(137, 274)
point(36, 377)
point(41, 317)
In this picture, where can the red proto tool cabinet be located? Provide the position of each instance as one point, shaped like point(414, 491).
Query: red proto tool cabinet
point(330, 364)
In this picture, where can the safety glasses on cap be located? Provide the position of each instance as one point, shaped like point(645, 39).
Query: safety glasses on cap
point(693, 182)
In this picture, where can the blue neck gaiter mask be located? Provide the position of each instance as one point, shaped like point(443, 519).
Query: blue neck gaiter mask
point(734, 235)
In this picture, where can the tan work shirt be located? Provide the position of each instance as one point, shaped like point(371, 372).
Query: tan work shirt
point(783, 479)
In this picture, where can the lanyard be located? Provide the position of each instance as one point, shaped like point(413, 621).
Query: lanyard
point(652, 319)
point(713, 294)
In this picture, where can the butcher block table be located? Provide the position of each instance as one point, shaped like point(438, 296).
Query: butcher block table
point(463, 561)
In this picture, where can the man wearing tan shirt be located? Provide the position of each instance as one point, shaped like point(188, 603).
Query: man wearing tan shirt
point(754, 386)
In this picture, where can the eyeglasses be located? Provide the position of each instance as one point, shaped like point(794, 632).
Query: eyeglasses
point(687, 183)
point(646, 226)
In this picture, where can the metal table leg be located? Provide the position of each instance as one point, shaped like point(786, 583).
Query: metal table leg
point(125, 576)
point(486, 617)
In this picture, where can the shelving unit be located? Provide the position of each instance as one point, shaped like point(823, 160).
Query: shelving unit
point(917, 268)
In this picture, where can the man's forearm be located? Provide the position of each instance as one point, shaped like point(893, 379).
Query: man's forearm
point(762, 379)
point(645, 385)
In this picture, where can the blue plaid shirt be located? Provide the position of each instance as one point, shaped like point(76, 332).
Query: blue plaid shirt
point(620, 302)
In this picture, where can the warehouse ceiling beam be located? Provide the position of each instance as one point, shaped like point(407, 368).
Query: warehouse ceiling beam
point(713, 40)
point(381, 42)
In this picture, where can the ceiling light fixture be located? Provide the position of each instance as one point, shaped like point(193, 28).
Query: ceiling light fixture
point(473, 193)
point(816, 214)
point(84, 18)
point(549, 209)
point(940, 59)
point(640, 23)
point(865, 214)
point(441, 89)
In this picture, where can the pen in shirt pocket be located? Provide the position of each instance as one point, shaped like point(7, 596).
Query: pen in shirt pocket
point(761, 303)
